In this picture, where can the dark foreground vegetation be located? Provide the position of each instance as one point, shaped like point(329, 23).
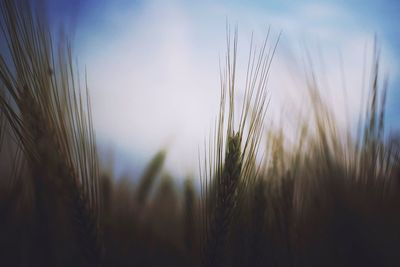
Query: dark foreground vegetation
point(329, 198)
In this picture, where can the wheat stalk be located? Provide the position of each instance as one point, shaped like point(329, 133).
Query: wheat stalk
point(52, 122)
point(230, 169)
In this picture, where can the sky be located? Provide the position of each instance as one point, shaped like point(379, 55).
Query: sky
point(153, 65)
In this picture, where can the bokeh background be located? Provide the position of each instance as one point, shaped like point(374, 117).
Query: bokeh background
point(153, 66)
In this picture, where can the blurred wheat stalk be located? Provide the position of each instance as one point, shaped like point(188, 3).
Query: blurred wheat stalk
point(51, 122)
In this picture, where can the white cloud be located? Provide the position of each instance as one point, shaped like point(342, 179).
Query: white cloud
point(155, 82)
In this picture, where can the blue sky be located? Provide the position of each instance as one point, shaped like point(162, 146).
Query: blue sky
point(153, 65)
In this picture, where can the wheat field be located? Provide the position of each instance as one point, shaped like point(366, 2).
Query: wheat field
point(330, 198)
